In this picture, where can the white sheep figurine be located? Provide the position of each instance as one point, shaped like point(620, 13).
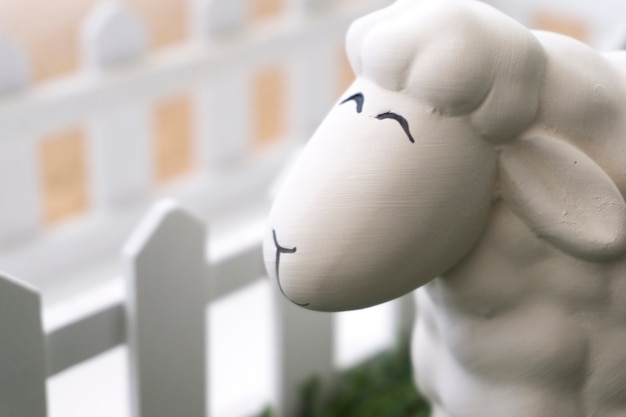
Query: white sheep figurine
point(484, 165)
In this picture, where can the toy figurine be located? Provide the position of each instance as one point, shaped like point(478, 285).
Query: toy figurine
point(485, 166)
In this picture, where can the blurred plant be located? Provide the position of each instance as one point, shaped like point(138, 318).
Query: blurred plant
point(267, 412)
point(380, 387)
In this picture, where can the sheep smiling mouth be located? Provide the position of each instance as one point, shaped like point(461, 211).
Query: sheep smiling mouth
point(279, 251)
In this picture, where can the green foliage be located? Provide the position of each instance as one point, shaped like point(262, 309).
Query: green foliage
point(267, 412)
point(380, 387)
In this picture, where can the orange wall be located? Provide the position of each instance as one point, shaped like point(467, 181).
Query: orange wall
point(49, 29)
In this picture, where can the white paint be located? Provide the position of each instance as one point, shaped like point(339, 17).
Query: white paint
point(499, 196)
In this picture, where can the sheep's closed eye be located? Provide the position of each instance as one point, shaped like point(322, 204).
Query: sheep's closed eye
point(358, 99)
point(399, 119)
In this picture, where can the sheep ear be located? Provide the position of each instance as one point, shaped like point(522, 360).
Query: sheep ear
point(564, 197)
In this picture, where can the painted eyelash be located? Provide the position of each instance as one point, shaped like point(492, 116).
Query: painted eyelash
point(399, 119)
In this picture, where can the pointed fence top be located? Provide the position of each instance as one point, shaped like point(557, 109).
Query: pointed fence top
point(111, 35)
point(214, 18)
point(165, 222)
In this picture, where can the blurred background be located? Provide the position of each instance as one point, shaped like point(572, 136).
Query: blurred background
point(49, 35)
point(54, 38)
point(106, 107)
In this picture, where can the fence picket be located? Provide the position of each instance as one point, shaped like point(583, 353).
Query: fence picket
point(119, 151)
point(221, 104)
point(311, 100)
point(305, 350)
point(19, 182)
point(22, 363)
point(223, 101)
point(405, 314)
point(166, 274)
point(120, 155)
point(20, 215)
point(304, 6)
point(112, 35)
point(15, 71)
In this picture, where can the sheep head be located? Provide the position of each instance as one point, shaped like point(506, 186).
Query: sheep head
point(395, 187)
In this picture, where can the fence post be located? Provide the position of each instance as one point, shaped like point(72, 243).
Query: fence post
point(313, 82)
point(223, 106)
point(166, 276)
point(313, 86)
point(19, 176)
point(119, 140)
point(305, 351)
point(22, 363)
point(405, 314)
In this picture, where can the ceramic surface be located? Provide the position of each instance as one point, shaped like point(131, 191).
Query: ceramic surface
point(483, 165)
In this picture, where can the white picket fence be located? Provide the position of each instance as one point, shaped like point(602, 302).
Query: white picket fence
point(168, 279)
point(162, 320)
point(168, 285)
